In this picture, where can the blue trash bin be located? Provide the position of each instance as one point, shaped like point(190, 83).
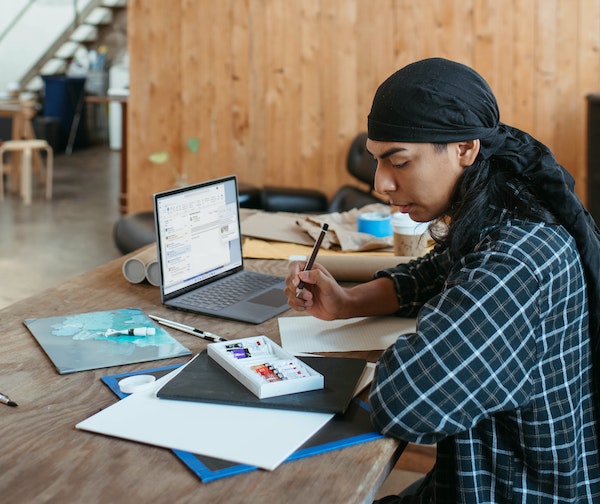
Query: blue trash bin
point(64, 98)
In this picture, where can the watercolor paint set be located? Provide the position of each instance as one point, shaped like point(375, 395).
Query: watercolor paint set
point(265, 368)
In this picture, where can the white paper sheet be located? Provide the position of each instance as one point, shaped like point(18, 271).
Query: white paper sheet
point(309, 334)
point(260, 437)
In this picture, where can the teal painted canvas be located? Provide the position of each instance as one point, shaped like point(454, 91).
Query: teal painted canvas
point(102, 339)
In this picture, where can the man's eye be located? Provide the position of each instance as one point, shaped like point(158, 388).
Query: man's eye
point(400, 165)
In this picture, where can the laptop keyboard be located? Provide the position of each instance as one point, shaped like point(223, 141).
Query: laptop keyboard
point(231, 290)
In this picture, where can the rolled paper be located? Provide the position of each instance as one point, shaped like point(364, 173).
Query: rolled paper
point(135, 267)
point(152, 272)
point(356, 268)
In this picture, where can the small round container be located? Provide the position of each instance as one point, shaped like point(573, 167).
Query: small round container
point(136, 383)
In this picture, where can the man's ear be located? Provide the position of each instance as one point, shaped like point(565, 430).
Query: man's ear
point(467, 152)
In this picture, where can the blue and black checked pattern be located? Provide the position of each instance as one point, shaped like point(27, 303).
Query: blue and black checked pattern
point(498, 373)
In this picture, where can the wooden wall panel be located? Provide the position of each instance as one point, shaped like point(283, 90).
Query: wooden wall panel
point(275, 90)
point(566, 104)
point(588, 70)
point(154, 115)
point(545, 117)
point(522, 70)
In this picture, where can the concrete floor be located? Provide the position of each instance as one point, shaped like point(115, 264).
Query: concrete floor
point(45, 243)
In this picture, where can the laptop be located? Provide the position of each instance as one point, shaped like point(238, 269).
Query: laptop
point(199, 246)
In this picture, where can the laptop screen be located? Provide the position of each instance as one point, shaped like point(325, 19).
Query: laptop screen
point(198, 233)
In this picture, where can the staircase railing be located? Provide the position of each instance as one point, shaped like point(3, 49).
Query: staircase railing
point(49, 54)
point(16, 20)
point(79, 16)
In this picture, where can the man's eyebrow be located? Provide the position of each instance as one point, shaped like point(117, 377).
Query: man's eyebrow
point(388, 152)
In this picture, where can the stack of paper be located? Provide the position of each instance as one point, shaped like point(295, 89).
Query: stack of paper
point(208, 429)
point(341, 431)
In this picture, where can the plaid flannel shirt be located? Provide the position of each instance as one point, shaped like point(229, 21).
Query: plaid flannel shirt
point(498, 373)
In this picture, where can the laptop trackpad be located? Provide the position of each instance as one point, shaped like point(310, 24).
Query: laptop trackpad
point(272, 297)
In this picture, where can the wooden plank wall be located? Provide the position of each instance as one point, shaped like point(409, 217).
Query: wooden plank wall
point(275, 90)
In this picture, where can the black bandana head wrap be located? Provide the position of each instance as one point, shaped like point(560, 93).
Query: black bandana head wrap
point(433, 101)
point(441, 101)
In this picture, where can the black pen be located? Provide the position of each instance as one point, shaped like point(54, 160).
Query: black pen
point(313, 256)
point(6, 400)
point(208, 336)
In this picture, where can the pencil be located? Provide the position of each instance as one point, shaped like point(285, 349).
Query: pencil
point(4, 399)
point(313, 256)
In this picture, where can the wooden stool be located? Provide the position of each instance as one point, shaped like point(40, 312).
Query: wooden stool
point(26, 148)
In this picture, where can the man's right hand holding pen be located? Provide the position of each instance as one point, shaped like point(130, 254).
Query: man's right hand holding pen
point(321, 294)
point(323, 298)
point(311, 288)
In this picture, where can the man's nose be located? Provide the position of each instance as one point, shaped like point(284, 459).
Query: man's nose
point(384, 182)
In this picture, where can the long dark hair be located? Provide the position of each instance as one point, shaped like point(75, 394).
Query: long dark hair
point(487, 191)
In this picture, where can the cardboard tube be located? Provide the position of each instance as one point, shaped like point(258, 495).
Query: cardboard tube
point(357, 268)
point(152, 273)
point(135, 268)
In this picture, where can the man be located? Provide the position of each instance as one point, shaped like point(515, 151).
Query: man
point(499, 370)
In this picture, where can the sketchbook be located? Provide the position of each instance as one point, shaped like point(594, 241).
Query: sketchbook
point(102, 339)
point(204, 380)
point(341, 431)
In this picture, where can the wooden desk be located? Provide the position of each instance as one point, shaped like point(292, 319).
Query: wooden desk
point(45, 459)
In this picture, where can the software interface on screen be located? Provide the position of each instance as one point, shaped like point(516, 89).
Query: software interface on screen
point(199, 234)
